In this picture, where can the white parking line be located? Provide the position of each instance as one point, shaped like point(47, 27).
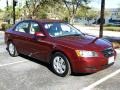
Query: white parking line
point(90, 87)
point(12, 63)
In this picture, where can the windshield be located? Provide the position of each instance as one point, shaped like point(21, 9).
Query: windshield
point(61, 29)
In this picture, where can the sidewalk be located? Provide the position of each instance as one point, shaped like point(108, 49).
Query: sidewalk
point(1, 37)
point(95, 31)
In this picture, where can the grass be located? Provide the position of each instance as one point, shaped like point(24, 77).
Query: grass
point(112, 28)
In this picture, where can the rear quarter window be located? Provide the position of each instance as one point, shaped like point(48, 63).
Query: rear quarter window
point(22, 27)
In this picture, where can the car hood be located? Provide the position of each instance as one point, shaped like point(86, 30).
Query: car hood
point(86, 42)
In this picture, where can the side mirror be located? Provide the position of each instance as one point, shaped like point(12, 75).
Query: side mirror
point(39, 34)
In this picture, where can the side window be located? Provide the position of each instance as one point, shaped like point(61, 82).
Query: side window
point(22, 27)
point(34, 27)
point(65, 28)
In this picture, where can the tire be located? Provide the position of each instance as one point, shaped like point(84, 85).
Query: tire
point(60, 65)
point(12, 49)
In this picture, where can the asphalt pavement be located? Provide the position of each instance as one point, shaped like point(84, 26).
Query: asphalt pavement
point(24, 73)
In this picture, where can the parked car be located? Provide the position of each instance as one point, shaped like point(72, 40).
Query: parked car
point(61, 45)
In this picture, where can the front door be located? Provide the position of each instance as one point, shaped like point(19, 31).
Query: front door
point(38, 47)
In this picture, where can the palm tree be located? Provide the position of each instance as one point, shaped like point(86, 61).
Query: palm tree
point(102, 20)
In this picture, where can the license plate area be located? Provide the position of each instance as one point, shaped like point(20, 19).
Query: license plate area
point(111, 60)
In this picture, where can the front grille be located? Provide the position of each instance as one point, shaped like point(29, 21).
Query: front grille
point(108, 52)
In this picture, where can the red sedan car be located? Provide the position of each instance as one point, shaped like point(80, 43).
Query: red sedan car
point(60, 44)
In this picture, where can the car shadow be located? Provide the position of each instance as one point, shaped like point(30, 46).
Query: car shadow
point(81, 74)
point(48, 65)
point(36, 61)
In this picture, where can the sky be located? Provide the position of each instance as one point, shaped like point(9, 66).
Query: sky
point(108, 4)
point(3, 3)
point(94, 3)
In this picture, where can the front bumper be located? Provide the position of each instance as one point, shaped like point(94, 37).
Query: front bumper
point(91, 65)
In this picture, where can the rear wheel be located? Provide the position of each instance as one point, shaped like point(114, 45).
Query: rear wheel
point(60, 65)
point(12, 49)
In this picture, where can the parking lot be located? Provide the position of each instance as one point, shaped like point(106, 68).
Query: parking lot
point(24, 73)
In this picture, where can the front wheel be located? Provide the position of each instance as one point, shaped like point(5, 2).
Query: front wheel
point(12, 49)
point(60, 65)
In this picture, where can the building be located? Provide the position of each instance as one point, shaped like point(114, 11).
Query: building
point(113, 17)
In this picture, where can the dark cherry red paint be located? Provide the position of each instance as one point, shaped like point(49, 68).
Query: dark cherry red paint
point(42, 46)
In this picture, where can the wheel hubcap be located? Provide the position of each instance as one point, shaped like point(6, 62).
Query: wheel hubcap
point(59, 65)
point(11, 48)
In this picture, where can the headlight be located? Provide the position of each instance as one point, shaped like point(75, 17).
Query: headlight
point(84, 53)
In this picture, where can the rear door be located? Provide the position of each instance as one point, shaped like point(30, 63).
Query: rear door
point(20, 34)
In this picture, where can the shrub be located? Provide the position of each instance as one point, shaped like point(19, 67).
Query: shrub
point(66, 19)
point(5, 26)
point(116, 44)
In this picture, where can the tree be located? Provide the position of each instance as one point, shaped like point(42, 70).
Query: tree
point(8, 13)
point(73, 5)
point(87, 13)
point(1, 14)
point(57, 11)
point(1, 10)
point(82, 11)
point(33, 6)
point(92, 14)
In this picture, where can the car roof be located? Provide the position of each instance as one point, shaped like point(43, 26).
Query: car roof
point(49, 20)
point(45, 20)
